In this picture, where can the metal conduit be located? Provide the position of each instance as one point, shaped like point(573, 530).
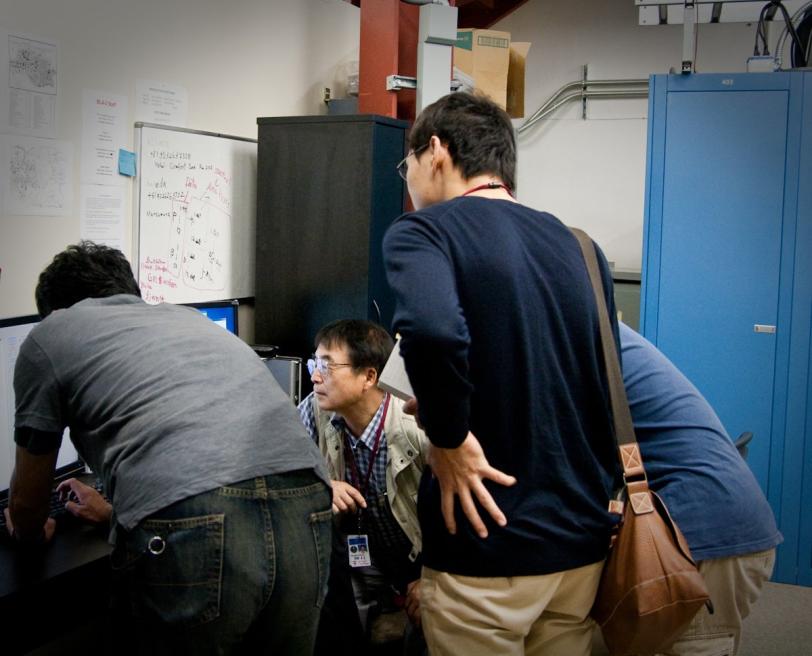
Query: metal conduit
point(583, 84)
point(564, 95)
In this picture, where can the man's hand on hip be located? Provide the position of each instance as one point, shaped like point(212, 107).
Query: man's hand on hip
point(460, 472)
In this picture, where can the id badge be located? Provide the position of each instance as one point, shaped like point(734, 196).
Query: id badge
point(358, 550)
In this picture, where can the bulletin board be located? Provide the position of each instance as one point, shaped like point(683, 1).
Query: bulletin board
point(194, 220)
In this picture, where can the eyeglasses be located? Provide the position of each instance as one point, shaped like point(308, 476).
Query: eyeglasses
point(403, 165)
point(324, 367)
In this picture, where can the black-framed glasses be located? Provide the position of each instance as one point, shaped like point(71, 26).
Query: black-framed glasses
point(323, 366)
point(403, 165)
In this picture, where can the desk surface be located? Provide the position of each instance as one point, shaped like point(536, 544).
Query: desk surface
point(71, 572)
point(73, 546)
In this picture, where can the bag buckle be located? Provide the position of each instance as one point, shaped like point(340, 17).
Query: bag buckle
point(616, 506)
point(636, 477)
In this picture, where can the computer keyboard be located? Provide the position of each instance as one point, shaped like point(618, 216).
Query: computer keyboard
point(56, 506)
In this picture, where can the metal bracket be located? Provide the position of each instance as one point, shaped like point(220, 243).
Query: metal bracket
point(659, 12)
point(689, 25)
point(398, 82)
point(436, 36)
point(584, 81)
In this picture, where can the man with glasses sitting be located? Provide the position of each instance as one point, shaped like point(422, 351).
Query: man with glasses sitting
point(375, 456)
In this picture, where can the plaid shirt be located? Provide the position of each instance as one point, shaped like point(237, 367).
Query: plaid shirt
point(384, 530)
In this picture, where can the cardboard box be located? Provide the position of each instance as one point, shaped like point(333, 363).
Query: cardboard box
point(487, 61)
point(515, 85)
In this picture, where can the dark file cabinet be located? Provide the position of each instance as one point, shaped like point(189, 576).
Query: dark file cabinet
point(327, 191)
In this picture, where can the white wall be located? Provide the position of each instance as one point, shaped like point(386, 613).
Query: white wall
point(591, 173)
point(250, 58)
point(238, 60)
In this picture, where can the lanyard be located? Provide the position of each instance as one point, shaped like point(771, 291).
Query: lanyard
point(350, 455)
point(490, 185)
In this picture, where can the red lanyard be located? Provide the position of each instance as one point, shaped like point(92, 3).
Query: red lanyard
point(350, 455)
point(490, 185)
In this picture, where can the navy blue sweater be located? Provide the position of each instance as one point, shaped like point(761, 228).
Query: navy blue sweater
point(500, 337)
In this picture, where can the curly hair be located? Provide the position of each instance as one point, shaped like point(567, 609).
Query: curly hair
point(83, 270)
point(477, 132)
point(367, 343)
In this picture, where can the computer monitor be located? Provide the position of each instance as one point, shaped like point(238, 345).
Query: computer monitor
point(12, 334)
point(288, 373)
point(223, 313)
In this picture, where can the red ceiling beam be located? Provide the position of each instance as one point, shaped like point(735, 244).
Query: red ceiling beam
point(389, 30)
point(407, 58)
point(483, 14)
point(378, 56)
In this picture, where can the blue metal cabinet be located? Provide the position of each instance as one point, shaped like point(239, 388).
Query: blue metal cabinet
point(726, 276)
point(799, 413)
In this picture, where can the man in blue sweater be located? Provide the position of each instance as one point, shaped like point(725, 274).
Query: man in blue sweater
point(710, 492)
point(501, 342)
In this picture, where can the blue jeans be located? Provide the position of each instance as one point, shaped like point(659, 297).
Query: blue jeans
point(239, 569)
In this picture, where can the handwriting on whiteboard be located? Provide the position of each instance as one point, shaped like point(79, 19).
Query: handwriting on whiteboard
point(188, 202)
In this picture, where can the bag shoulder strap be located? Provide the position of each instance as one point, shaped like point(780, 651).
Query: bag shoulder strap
point(629, 450)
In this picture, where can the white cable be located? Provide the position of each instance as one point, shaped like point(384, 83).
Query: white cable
point(779, 48)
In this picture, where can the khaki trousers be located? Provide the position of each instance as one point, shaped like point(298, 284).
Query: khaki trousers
point(549, 614)
point(734, 585)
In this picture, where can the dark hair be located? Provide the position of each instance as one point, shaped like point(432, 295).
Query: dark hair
point(83, 270)
point(368, 344)
point(477, 132)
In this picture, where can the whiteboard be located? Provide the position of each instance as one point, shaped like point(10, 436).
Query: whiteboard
point(195, 214)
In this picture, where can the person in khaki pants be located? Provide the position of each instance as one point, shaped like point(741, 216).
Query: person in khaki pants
point(709, 490)
point(501, 343)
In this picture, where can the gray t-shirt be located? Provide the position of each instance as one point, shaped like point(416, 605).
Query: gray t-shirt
point(161, 402)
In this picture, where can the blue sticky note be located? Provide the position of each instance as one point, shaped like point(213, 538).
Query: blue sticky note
point(126, 162)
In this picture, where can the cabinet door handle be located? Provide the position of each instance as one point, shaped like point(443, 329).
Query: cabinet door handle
point(764, 328)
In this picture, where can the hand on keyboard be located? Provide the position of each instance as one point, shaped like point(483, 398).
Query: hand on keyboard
point(84, 501)
point(48, 530)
